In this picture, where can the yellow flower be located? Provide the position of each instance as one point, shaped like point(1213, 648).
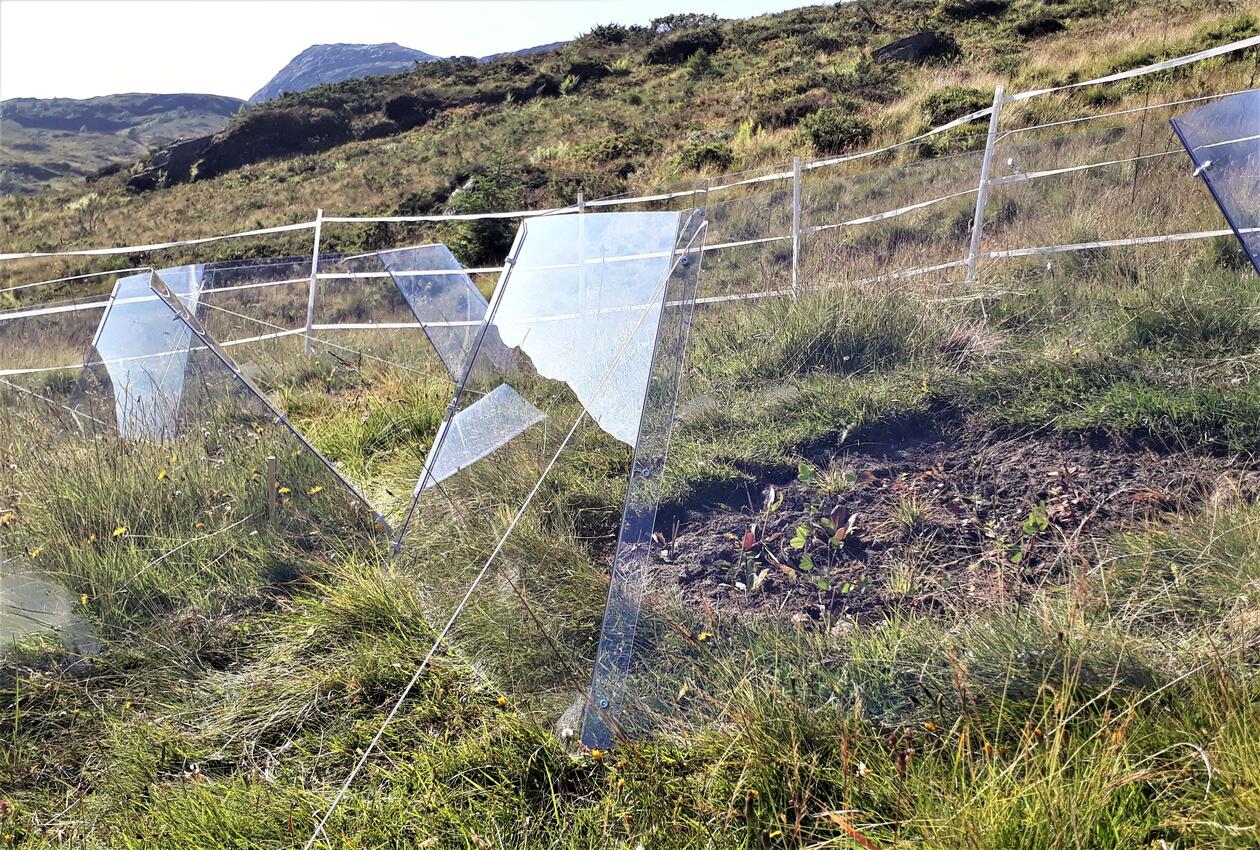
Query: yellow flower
point(7, 518)
point(127, 705)
point(83, 599)
point(502, 702)
point(120, 531)
point(314, 490)
point(296, 453)
point(703, 636)
point(36, 551)
point(161, 474)
point(91, 538)
point(597, 755)
point(282, 490)
point(930, 726)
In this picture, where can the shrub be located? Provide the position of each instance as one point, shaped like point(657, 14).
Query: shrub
point(613, 147)
point(953, 102)
point(607, 34)
point(788, 112)
point(865, 80)
point(483, 241)
point(677, 46)
point(963, 10)
point(704, 150)
point(834, 131)
point(700, 65)
point(682, 21)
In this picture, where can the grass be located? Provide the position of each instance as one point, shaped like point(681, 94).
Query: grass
point(1069, 719)
point(247, 661)
point(806, 55)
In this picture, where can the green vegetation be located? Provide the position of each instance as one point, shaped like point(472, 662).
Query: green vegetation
point(869, 663)
point(347, 148)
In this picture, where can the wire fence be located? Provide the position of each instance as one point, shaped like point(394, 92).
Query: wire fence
point(799, 192)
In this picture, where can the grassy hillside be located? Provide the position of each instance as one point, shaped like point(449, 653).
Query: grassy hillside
point(1039, 629)
point(618, 109)
point(54, 143)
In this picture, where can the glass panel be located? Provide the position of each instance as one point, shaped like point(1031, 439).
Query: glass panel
point(42, 351)
point(1223, 139)
point(478, 430)
point(556, 383)
point(199, 504)
point(442, 298)
point(139, 355)
point(368, 392)
point(1121, 177)
point(643, 494)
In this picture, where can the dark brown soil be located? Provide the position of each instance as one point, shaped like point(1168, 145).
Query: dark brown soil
point(926, 522)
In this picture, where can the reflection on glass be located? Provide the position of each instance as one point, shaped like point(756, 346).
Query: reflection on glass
point(478, 430)
point(143, 349)
point(582, 303)
point(442, 297)
point(1223, 138)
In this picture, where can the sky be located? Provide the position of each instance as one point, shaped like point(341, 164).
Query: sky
point(85, 48)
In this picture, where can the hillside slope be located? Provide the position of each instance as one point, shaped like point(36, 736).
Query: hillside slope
point(619, 109)
point(936, 563)
point(55, 142)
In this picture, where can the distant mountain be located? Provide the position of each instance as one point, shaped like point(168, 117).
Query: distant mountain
point(56, 142)
point(528, 51)
point(334, 63)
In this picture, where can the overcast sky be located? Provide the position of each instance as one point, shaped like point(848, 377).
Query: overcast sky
point(84, 48)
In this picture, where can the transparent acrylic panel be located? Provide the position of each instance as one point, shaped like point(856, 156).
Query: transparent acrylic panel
point(477, 430)
point(43, 348)
point(256, 309)
point(862, 225)
point(533, 459)
point(643, 493)
point(1119, 178)
point(772, 384)
point(1223, 139)
point(584, 299)
point(442, 298)
point(126, 536)
point(364, 385)
point(139, 354)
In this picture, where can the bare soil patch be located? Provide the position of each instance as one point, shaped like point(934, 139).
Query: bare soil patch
point(926, 522)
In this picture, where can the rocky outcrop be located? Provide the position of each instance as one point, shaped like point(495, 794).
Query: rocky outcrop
point(172, 164)
point(919, 47)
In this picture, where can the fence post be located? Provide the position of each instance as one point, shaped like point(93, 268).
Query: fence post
point(310, 296)
point(796, 221)
point(581, 252)
point(982, 192)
